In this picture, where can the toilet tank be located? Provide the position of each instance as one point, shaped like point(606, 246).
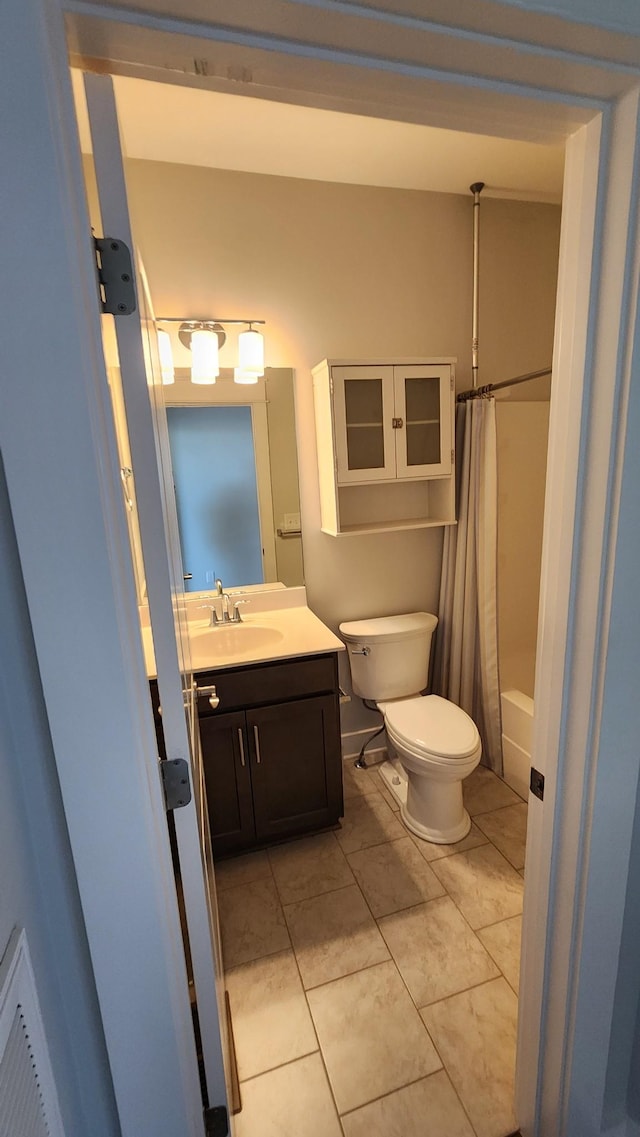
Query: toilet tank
point(389, 656)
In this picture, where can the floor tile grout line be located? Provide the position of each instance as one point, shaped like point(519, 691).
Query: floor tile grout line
point(453, 899)
point(320, 1051)
point(402, 979)
point(358, 970)
point(414, 1082)
point(315, 895)
point(444, 1065)
point(272, 1069)
point(465, 991)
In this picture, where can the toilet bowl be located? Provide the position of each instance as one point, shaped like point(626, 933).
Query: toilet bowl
point(434, 744)
point(438, 746)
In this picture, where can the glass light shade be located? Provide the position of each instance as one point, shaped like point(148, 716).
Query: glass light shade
point(240, 376)
point(166, 357)
point(204, 356)
point(251, 352)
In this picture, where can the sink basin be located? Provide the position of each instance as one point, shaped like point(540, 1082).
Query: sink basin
point(234, 639)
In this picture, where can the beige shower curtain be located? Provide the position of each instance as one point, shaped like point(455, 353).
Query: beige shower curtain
point(466, 656)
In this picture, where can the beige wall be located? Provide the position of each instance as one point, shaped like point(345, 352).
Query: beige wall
point(356, 272)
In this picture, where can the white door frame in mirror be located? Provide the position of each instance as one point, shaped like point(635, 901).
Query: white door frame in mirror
point(85, 640)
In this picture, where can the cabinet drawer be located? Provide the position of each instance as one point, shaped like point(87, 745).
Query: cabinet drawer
point(256, 685)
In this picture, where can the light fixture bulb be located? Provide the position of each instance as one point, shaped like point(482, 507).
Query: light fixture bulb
point(240, 376)
point(251, 352)
point(204, 356)
point(166, 357)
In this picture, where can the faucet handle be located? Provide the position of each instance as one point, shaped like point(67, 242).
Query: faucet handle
point(215, 619)
point(237, 618)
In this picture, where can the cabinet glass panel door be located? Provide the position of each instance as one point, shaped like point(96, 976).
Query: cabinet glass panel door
point(363, 408)
point(423, 442)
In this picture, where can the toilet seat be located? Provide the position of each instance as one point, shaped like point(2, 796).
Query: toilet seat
point(428, 726)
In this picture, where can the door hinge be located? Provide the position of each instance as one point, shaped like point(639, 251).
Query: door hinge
point(175, 782)
point(397, 423)
point(536, 783)
point(216, 1121)
point(115, 276)
point(453, 455)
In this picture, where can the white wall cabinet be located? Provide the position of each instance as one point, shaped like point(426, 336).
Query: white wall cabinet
point(385, 444)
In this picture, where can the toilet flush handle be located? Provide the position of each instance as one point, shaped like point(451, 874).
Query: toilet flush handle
point(361, 651)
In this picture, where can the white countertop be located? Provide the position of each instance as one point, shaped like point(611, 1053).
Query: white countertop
point(265, 634)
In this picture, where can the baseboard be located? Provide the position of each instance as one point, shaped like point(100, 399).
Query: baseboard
point(373, 755)
point(352, 741)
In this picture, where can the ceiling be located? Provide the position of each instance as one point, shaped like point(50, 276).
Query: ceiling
point(183, 124)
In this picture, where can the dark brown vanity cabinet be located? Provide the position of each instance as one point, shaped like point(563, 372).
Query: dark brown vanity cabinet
point(271, 751)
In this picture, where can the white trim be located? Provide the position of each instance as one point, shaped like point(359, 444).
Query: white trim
point(574, 279)
point(568, 977)
point(568, 596)
point(148, 437)
point(62, 472)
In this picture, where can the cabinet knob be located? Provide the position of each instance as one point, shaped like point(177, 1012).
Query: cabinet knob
point(214, 701)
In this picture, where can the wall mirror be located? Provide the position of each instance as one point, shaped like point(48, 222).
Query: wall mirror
point(234, 457)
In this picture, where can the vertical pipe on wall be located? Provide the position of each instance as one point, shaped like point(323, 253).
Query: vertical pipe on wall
point(476, 190)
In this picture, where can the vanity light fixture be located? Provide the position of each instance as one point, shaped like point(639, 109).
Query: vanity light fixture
point(240, 376)
point(250, 353)
point(204, 338)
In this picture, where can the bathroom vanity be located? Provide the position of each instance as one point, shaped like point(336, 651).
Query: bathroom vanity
point(270, 736)
point(272, 760)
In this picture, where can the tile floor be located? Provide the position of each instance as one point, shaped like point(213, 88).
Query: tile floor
point(373, 978)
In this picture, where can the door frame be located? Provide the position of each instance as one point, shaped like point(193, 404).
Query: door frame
point(597, 347)
point(59, 449)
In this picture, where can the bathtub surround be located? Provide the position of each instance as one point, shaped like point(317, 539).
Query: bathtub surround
point(522, 433)
point(517, 732)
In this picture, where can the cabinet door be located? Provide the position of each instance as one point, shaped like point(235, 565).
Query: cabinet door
point(228, 781)
point(295, 766)
point(423, 404)
point(363, 420)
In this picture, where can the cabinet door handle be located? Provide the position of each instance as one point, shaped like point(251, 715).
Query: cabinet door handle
point(241, 742)
point(256, 739)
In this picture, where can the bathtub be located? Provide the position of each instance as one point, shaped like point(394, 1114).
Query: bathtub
point(517, 726)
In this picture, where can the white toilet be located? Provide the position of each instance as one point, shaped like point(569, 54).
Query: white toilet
point(436, 744)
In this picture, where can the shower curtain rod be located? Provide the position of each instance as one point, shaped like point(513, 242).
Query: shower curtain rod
point(477, 392)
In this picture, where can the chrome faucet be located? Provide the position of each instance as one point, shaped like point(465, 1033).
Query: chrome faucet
point(228, 614)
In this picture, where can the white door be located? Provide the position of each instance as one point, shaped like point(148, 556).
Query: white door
point(363, 416)
point(150, 456)
point(423, 407)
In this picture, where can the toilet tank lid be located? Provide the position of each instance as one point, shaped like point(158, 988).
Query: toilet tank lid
point(388, 628)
